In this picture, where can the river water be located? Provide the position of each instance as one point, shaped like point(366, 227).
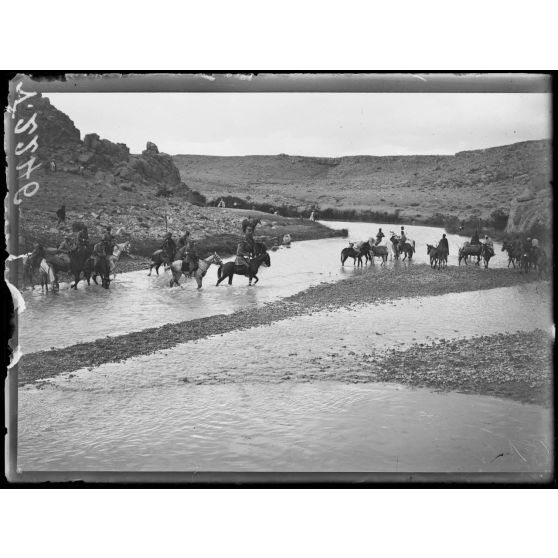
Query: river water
point(222, 403)
point(136, 301)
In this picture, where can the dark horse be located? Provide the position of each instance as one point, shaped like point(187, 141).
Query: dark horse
point(514, 252)
point(250, 223)
point(469, 250)
point(486, 253)
point(438, 256)
point(72, 263)
point(230, 268)
point(158, 258)
point(101, 268)
point(534, 259)
point(350, 252)
point(406, 248)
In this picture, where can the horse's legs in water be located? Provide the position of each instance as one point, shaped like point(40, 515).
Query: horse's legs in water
point(199, 281)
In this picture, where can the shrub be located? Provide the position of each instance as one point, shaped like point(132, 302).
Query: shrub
point(500, 218)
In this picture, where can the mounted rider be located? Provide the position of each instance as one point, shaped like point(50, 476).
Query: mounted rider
point(99, 253)
point(83, 237)
point(67, 244)
point(191, 257)
point(489, 244)
point(169, 248)
point(182, 242)
point(379, 236)
point(402, 237)
point(109, 241)
point(243, 251)
point(475, 241)
point(249, 240)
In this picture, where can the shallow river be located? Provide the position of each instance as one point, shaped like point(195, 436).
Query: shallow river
point(136, 301)
point(221, 403)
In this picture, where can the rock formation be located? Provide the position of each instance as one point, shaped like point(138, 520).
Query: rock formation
point(60, 140)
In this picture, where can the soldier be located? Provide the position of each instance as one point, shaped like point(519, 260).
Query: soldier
point(169, 248)
point(108, 241)
point(191, 257)
point(83, 237)
point(249, 240)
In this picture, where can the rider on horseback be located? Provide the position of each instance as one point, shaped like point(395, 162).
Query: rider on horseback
point(379, 236)
point(67, 245)
point(475, 239)
point(169, 248)
point(99, 253)
point(83, 237)
point(249, 240)
point(243, 251)
point(108, 241)
point(191, 256)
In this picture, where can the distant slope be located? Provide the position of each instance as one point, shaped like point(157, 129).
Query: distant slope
point(467, 184)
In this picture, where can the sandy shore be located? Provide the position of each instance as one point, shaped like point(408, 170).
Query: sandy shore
point(390, 284)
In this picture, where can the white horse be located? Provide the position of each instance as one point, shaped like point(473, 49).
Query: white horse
point(117, 251)
point(46, 275)
point(178, 268)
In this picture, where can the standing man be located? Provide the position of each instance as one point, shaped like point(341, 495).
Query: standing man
point(61, 214)
point(443, 245)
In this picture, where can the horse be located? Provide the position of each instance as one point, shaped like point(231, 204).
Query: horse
point(486, 253)
point(250, 223)
point(438, 256)
point(407, 248)
point(469, 250)
point(540, 262)
point(179, 267)
point(514, 252)
point(117, 251)
point(158, 258)
point(46, 275)
point(379, 251)
point(72, 263)
point(394, 245)
point(28, 270)
point(230, 268)
point(350, 252)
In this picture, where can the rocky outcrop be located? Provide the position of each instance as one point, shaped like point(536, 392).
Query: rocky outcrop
point(531, 212)
point(150, 166)
point(60, 141)
point(55, 130)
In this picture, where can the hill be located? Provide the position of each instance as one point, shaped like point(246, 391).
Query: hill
point(467, 186)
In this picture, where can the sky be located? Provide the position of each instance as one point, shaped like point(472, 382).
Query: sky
point(311, 124)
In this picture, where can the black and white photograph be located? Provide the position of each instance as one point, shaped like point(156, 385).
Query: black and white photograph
point(324, 275)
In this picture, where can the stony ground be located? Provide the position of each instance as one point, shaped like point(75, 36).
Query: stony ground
point(516, 366)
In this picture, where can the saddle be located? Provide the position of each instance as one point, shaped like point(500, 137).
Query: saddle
point(241, 262)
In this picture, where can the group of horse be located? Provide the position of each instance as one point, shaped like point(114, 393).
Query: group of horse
point(226, 270)
point(524, 258)
point(78, 262)
point(370, 249)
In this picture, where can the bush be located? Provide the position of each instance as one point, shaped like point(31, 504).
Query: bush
point(500, 218)
point(164, 192)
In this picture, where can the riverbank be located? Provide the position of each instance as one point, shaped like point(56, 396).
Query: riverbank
point(367, 288)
